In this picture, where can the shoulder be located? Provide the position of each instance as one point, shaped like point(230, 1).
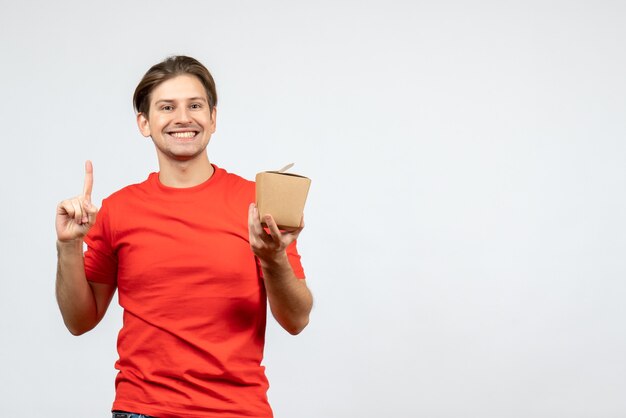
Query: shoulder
point(129, 193)
point(233, 181)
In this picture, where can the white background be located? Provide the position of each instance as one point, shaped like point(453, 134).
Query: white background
point(465, 237)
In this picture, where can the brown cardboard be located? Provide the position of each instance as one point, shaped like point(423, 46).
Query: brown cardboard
point(283, 196)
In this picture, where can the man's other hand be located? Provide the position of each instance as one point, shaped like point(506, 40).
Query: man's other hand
point(269, 246)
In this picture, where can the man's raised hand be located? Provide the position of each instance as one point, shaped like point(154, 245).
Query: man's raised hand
point(77, 215)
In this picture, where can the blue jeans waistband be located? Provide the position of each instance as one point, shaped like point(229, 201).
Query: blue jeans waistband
point(122, 414)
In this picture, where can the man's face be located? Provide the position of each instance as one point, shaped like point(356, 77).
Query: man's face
point(179, 121)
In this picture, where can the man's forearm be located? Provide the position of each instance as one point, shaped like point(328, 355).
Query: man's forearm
point(289, 297)
point(74, 295)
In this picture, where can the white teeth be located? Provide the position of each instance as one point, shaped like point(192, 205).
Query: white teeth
point(183, 134)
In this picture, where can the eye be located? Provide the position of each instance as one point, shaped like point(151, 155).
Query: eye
point(167, 108)
point(196, 106)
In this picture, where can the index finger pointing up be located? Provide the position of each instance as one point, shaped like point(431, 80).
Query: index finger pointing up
point(88, 180)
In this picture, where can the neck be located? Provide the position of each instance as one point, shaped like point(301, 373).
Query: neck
point(182, 174)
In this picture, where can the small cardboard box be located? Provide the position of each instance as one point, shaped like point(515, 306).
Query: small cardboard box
point(283, 196)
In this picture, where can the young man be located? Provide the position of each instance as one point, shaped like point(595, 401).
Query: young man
point(191, 262)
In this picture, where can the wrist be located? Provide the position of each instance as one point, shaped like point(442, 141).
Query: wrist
point(275, 260)
point(67, 246)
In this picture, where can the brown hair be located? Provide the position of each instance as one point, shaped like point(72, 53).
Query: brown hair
point(169, 68)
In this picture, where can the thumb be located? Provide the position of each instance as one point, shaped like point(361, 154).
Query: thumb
point(92, 211)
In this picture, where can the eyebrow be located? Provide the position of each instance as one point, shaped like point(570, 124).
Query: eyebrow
point(193, 99)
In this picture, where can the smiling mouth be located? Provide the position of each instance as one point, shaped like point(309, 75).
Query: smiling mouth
point(183, 134)
point(186, 135)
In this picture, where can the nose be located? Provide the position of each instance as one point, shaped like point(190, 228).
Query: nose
point(182, 115)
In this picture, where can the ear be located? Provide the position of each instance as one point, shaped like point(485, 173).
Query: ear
point(143, 124)
point(213, 119)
